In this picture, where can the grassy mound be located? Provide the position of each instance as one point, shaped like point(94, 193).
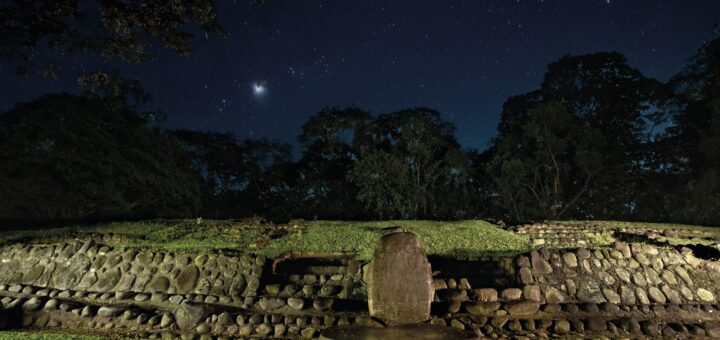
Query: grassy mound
point(448, 239)
point(456, 239)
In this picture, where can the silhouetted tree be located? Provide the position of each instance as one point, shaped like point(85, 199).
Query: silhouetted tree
point(543, 168)
point(241, 178)
point(123, 29)
point(332, 142)
point(607, 102)
point(695, 157)
point(414, 167)
point(70, 157)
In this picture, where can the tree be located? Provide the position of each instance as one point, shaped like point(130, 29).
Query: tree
point(696, 133)
point(542, 168)
point(615, 101)
point(415, 161)
point(332, 142)
point(241, 177)
point(123, 29)
point(606, 100)
point(68, 158)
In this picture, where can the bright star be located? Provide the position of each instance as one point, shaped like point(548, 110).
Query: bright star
point(259, 89)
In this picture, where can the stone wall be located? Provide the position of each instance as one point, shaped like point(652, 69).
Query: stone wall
point(559, 235)
point(624, 290)
point(85, 285)
point(90, 267)
point(636, 274)
point(635, 290)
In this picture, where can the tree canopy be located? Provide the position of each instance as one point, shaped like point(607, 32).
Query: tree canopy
point(596, 140)
point(110, 29)
point(70, 157)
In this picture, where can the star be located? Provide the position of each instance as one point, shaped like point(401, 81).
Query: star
point(259, 89)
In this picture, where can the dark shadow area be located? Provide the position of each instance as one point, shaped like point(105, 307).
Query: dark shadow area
point(704, 252)
point(10, 319)
point(699, 250)
point(637, 238)
point(480, 274)
point(309, 265)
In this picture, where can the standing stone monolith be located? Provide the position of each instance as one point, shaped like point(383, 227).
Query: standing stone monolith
point(399, 281)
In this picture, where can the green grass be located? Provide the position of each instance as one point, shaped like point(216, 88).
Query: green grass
point(44, 335)
point(458, 239)
point(447, 239)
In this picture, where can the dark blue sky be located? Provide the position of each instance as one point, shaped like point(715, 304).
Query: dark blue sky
point(463, 58)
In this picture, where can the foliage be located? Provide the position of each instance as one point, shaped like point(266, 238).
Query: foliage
point(696, 135)
point(241, 177)
point(541, 169)
point(123, 29)
point(415, 161)
point(575, 146)
point(68, 157)
point(333, 140)
point(596, 140)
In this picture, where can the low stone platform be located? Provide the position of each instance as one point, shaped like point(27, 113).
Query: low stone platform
point(633, 290)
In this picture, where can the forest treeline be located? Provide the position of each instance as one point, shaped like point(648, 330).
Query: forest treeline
point(596, 140)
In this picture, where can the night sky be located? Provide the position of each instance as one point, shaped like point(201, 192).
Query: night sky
point(287, 59)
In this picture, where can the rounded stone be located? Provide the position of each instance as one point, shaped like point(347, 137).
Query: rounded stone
point(188, 315)
point(623, 274)
point(245, 330)
point(562, 326)
point(486, 294)
point(672, 295)
point(106, 311)
point(639, 279)
point(656, 295)
point(627, 295)
point(606, 279)
point(159, 284)
point(705, 295)
point(32, 304)
point(511, 294)
point(589, 291)
point(570, 260)
point(642, 296)
point(186, 280)
point(668, 277)
point(268, 303)
point(611, 296)
point(532, 293)
point(553, 295)
point(296, 303)
point(203, 328)
point(322, 304)
point(167, 320)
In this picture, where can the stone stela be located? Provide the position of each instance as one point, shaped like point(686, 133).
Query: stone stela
point(400, 288)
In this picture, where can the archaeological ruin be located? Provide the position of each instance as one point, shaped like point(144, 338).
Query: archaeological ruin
point(640, 286)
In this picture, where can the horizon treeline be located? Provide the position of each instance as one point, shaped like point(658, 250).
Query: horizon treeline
point(596, 140)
